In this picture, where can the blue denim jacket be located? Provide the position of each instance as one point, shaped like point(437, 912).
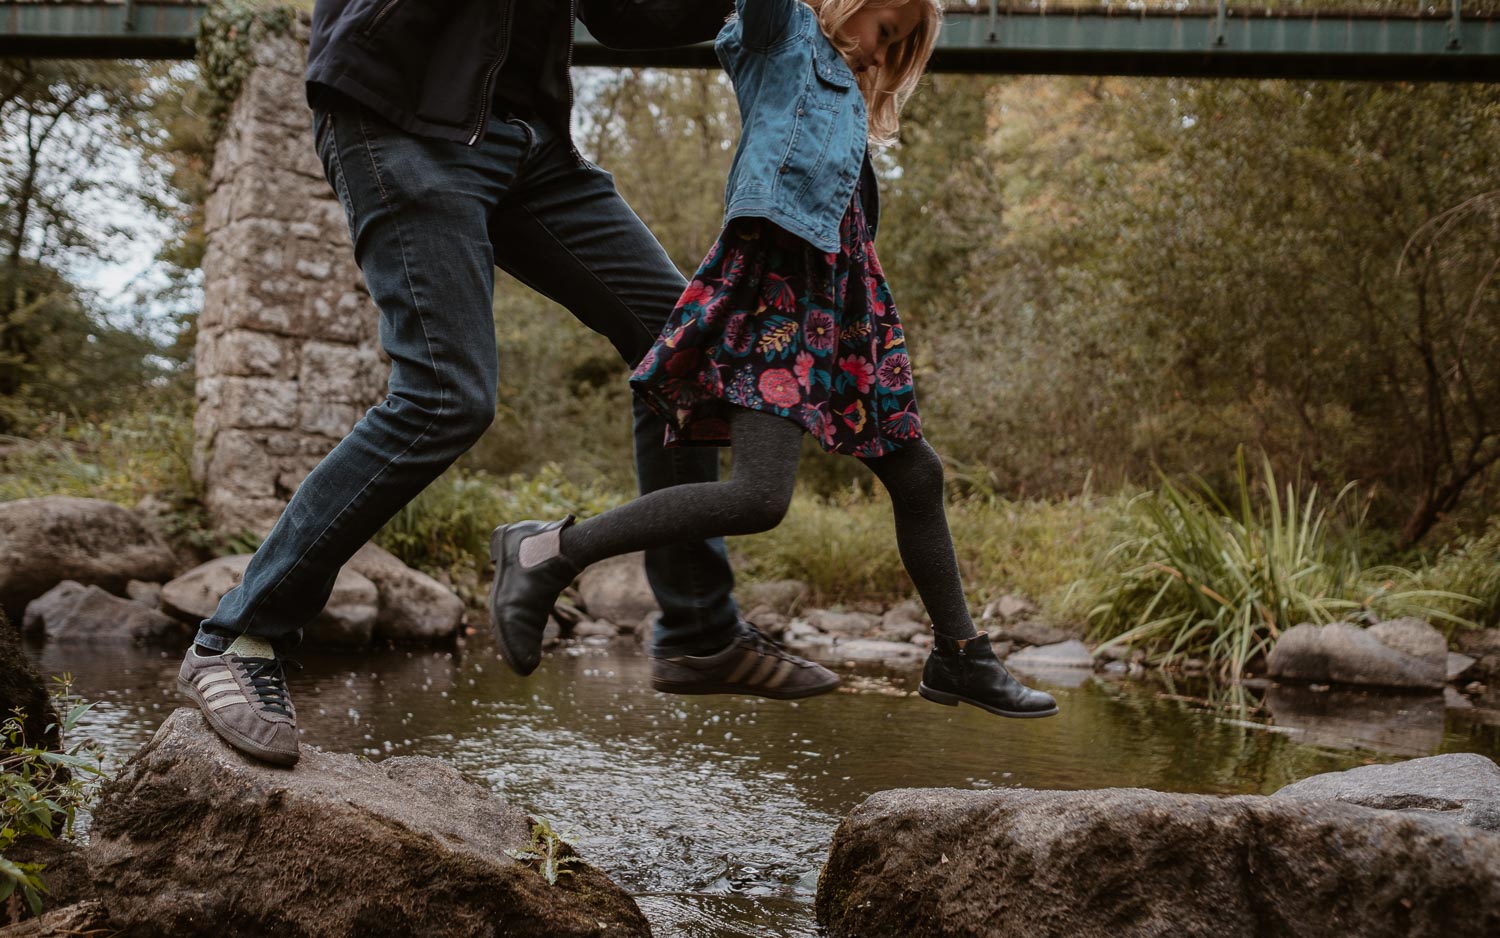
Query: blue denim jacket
point(803, 138)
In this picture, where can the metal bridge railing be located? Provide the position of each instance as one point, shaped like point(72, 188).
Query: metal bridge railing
point(1217, 39)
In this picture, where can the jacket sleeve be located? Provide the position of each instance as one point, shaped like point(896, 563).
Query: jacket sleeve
point(654, 24)
point(763, 22)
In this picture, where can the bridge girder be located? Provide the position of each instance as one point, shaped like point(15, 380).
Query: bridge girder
point(1199, 43)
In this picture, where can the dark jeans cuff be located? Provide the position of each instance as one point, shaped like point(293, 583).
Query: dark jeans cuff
point(212, 640)
point(695, 640)
point(215, 640)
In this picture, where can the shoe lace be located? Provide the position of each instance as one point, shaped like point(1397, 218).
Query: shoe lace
point(267, 680)
point(762, 644)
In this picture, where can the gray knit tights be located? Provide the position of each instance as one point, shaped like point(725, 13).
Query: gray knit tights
point(756, 497)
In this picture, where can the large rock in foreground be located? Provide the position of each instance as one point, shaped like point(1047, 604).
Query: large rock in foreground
point(1459, 786)
point(1130, 862)
point(44, 541)
point(192, 838)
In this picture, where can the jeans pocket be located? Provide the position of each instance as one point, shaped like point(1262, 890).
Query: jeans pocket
point(322, 121)
point(326, 142)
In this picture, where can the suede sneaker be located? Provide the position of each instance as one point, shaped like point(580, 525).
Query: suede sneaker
point(243, 696)
point(752, 664)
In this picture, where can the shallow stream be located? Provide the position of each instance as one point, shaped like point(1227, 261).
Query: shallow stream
point(716, 812)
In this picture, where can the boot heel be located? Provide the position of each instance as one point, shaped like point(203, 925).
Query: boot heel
point(937, 696)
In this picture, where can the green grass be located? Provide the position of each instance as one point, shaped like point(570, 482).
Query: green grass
point(844, 547)
point(1469, 567)
point(1176, 570)
point(145, 451)
point(1190, 576)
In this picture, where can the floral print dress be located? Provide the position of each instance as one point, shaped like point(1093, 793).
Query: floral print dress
point(771, 323)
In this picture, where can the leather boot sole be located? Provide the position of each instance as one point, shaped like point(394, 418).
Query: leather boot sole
point(953, 700)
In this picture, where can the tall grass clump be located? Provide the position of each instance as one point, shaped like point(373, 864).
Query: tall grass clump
point(1192, 577)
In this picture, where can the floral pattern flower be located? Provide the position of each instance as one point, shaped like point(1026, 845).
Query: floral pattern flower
point(859, 370)
point(770, 323)
point(821, 330)
point(779, 388)
point(802, 368)
point(739, 337)
point(895, 372)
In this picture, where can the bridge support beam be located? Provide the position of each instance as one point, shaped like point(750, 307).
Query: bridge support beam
point(1207, 42)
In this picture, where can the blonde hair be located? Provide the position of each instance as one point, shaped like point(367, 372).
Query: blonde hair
point(887, 87)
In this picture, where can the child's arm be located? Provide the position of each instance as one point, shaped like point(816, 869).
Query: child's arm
point(764, 22)
point(653, 24)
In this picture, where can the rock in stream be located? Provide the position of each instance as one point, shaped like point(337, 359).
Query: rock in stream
point(192, 838)
point(944, 863)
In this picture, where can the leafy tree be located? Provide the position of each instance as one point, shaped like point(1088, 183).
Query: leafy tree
point(59, 122)
point(1184, 266)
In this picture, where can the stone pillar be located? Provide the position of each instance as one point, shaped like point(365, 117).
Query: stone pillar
point(287, 352)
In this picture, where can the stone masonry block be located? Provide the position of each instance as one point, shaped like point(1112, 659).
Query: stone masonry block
point(342, 373)
point(251, 354)
point(241, 464)
point(325, 419)
point(259, 403)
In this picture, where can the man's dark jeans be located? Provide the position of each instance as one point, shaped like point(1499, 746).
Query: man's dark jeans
point(430, 220)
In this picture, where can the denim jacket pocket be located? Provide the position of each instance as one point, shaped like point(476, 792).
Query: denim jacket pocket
point(831, 80)
point(831, 68)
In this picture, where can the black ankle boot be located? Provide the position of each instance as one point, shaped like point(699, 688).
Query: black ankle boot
point(970, 672)
point(527, 583)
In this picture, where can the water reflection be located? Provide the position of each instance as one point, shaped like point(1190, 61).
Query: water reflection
point(716, 812)
point(1401, 724)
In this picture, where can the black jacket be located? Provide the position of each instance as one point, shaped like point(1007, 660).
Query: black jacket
point(427, 65)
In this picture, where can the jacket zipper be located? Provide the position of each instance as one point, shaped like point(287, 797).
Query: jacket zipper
point(489, 76)
point(380, 15)
point(568, 71)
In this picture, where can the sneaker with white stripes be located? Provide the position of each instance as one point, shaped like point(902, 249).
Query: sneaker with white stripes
point(752, 664)
point(243, 696)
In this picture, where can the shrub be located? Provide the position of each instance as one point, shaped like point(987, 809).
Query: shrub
point(1190, 576)
point(144, 451)
point(41, 791)
point(1471, 567)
